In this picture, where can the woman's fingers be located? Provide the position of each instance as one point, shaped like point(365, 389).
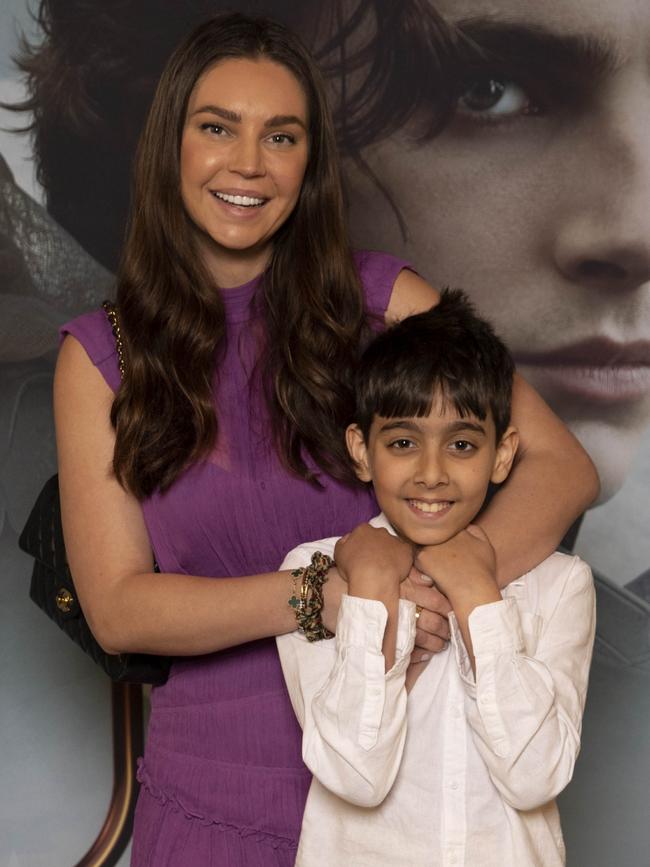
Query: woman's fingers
point(432, 623)
point(429, 598)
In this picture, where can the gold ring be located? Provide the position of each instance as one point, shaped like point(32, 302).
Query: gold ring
point(418, 611)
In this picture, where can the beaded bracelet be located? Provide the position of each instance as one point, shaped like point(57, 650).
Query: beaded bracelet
point(308, 601)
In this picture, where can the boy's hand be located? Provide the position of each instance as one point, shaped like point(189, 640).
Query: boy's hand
point(371, 559)
point(464, 567)
point(374, 563)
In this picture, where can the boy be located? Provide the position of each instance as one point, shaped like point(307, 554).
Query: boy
point(465, 771)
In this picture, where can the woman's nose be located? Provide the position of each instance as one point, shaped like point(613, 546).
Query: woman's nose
point(246, 157)
point(602, 239)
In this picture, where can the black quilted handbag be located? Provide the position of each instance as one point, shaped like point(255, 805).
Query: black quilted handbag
point(53, 590)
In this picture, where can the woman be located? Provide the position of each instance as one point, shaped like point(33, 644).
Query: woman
point(241, 309)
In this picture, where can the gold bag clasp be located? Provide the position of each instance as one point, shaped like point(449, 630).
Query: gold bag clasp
point(64, 600)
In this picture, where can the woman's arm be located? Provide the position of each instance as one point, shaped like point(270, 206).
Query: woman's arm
point(553, 480)
point(129, 607)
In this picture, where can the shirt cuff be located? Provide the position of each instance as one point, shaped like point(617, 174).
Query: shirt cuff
point(462, 656)
point(496, 628)
point(362, 623)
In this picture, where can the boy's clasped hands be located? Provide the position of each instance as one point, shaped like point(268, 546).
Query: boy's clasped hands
point(456, 575)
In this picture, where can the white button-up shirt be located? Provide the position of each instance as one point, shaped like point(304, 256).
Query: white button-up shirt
point(464, 771)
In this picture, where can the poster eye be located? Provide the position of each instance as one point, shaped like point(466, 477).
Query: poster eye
point(495, 97)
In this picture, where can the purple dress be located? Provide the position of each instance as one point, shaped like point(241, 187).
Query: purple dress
point(223, 782)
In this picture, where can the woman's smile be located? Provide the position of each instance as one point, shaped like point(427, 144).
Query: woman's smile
point(244, 153)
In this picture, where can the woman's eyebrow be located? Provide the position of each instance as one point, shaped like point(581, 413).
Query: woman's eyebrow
point(224, 113)
point(537, 45)
point(284, 120)
point(235, 117)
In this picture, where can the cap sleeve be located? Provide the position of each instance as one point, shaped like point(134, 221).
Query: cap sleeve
point(378, 272)
point(95, 334)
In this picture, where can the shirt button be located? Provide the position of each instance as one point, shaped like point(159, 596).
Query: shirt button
point(454, 785)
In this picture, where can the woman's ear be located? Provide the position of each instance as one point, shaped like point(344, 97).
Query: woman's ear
point(358, 451)
point(505, 455)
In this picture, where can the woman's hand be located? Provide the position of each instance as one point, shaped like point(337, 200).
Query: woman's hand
point(432, 628)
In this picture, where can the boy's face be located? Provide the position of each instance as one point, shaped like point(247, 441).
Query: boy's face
point(431, 474)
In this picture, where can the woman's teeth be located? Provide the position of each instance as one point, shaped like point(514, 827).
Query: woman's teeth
point(242, 201)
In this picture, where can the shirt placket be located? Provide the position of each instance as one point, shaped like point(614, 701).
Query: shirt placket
point(454, 774)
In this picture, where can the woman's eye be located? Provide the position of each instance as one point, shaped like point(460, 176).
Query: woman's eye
point(214, 128)
point(282, 138)
point(495, 98)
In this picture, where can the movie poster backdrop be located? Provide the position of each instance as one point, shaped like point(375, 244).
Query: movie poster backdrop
point(507, 155)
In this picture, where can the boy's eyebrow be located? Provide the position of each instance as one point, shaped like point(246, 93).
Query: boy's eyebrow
point(538, 46)
point(401, 423)
point(465, 424)
point(453, 427)
point(235, 117)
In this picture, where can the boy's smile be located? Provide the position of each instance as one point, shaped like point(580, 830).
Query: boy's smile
point(431, 474)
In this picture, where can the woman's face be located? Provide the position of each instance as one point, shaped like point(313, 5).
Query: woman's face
point(244, 153)
point(536, 200)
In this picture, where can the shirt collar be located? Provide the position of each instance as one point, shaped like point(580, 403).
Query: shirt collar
point(382, 522)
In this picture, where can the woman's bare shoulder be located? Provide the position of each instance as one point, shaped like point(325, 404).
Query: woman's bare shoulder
point(411, 294)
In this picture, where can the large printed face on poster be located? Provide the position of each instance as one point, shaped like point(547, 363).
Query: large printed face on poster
point(532, 195)
point(535, 198)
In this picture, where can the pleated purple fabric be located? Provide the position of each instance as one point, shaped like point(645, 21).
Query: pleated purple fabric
point(222, 779)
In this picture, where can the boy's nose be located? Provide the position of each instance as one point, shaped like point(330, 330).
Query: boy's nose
point(430, 472)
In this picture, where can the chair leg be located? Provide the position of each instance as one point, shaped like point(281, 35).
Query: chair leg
point(128, 743)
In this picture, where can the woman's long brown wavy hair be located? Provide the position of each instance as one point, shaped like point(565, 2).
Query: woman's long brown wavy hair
point(172, 314)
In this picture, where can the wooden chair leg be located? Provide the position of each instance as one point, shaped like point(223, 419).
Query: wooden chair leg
point(128, 742)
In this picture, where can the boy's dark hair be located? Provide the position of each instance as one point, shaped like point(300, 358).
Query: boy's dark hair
point(447, 351)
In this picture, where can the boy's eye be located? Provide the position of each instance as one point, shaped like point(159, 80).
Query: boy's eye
point(401, 443)
point(462, 446)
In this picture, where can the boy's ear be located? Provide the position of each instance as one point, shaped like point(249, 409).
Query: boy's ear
point(505, 455)
point(358, 452)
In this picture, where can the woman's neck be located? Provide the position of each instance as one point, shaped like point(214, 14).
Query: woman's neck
point(231, 268)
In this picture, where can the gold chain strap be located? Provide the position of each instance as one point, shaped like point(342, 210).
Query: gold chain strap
point(111, 313)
